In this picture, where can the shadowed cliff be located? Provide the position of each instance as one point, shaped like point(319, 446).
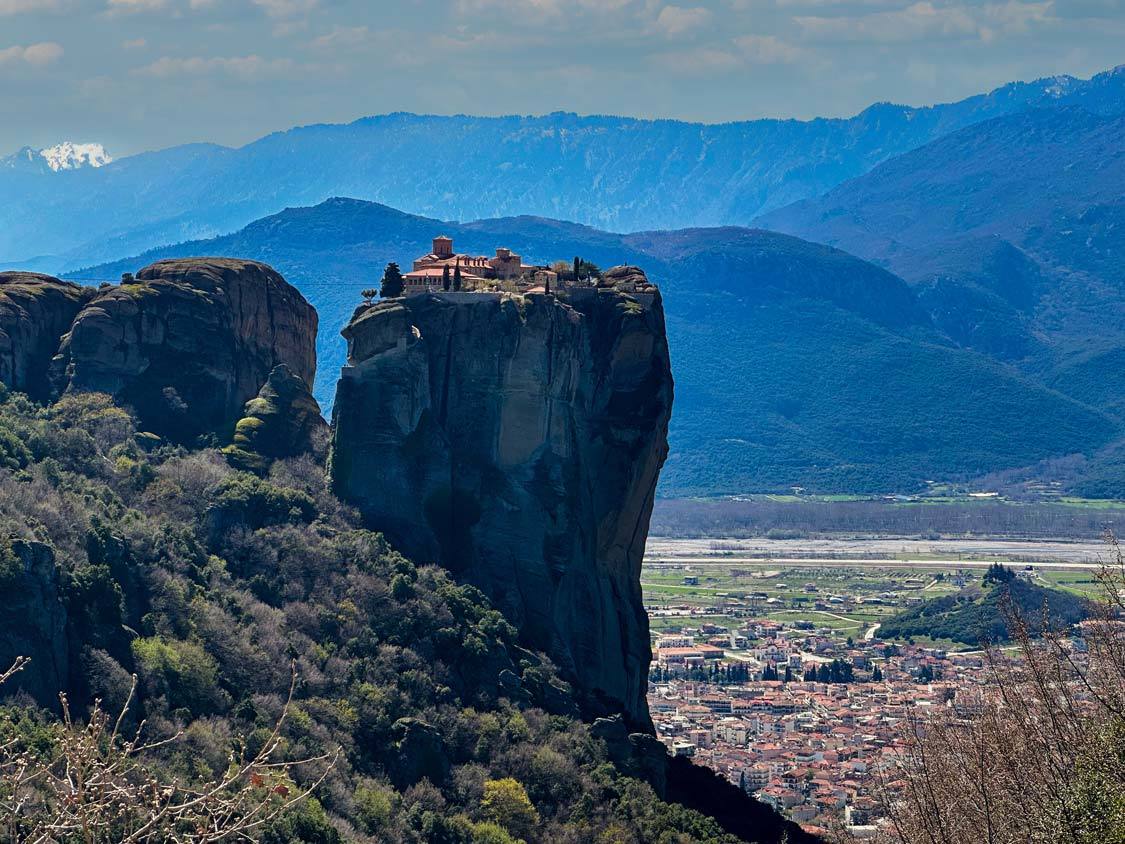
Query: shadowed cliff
point(517, 441)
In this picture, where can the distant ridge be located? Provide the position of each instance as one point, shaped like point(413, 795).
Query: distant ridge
point(795, 364)
point(618, 174)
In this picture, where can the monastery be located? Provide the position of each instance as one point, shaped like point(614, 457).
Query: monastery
point(505, 271)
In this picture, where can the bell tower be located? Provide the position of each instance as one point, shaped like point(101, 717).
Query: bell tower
point(443, 246)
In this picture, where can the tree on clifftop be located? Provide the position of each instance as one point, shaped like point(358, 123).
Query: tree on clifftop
point(393, 284)
point(457, 277)
point(445, 282)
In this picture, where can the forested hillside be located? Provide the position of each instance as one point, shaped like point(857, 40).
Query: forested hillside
point(1010, 234)
point(123, 554)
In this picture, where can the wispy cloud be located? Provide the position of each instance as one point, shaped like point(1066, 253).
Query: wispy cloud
point(36, 55)
point(342, 36)
point(286, 8)
point(767, 49)
point(927, 21)
point(134, 7)
point(678, 20)
point(541, 8)
point(244, 67)
point(17, 7)
point(128, 7)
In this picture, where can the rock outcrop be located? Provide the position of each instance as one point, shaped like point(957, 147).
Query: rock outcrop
point(35, 620)
point(283, 420)
point(517, 441)
point(188, 342)
point(35, 312)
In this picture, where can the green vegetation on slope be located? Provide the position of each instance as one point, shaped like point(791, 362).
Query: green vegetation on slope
point(977, 615)
point(124, 556)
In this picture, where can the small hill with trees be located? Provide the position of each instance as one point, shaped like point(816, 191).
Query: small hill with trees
point(979, 615)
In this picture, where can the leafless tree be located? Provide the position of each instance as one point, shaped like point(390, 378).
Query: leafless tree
point(1040, 757)
point(98, 784)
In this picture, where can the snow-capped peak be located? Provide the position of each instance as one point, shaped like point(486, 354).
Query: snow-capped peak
point(71, 156)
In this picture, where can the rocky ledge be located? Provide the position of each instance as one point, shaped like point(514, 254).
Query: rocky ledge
point(517, 441)
point(187, 342)
point(35, 311)
point(191, 346)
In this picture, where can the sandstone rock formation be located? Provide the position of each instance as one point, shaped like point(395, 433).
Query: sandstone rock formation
point(283, 420)
point(35, 312)
point(627, 279)
point(517, 441)
point(189, 342)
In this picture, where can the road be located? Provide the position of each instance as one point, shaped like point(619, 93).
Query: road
point(875, 552)
point(659, 560)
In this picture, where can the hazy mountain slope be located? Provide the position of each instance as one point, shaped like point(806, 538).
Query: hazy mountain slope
point(795, 364)
point(1012, 178)
point(617, 173)
point(1012, 233)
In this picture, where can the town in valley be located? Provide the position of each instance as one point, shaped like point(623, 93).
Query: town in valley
point(769, 668)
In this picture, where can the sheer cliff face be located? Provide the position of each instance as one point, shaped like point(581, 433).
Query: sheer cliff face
point(517, 441)
point(186, 344)
point(189, 342)
point(35, 311)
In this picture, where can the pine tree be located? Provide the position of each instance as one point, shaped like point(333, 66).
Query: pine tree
point(457, 277)
point(393, 284)
point(788, 674)
point(876, 674)
point(445, 281)
point(577, 264)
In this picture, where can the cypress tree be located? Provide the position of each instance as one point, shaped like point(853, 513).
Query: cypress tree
point(393, 283)
point(457, 277)
point(445, 282)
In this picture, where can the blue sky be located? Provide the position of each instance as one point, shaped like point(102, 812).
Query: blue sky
point(142, 74)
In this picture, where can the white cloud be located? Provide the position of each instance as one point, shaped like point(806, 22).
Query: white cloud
point(342, 36)
point(926, 20)
point(16, 7)
point(700, 61)
point(541, 8)
point(677, 20)
point(128, 7)
point(766, 49)
point(244, 67)
point(36, 55)
point(286, 8)
point(134, 44)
